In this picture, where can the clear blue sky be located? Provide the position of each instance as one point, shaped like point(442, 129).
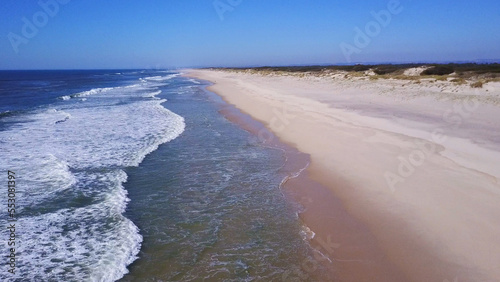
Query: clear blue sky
point(187, 33)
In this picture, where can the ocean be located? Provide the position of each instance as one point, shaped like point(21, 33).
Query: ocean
point(135, 175)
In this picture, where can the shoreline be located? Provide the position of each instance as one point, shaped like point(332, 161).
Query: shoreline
point(319, 205)
point(414, 227)
point(238, 213)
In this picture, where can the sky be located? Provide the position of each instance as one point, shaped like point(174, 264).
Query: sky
point(145, 34)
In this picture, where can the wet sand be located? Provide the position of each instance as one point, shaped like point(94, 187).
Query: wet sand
point(404, 191)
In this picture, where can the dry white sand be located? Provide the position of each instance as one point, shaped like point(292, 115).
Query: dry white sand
point(422, 160)
point(415, 71)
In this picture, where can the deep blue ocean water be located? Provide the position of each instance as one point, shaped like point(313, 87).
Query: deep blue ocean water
point(134, 175)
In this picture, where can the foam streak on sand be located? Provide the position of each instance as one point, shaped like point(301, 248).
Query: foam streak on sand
point(441, 218)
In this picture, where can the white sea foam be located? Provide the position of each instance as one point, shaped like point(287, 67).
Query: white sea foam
point(92, 92)
point(307, 233)
point(194, 81)
point(98, 135)
point(135, 85)
point(152, 94)
point(91, 243)
point(69, 161)
point(162, 78)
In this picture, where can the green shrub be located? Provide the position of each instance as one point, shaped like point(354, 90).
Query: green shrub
point(438, 70)
point(360, 68)
point(385, 69)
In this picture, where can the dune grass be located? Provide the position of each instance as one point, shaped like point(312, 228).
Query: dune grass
point(474, 74)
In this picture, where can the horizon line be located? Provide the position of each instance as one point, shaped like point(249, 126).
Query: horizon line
point(374, 63)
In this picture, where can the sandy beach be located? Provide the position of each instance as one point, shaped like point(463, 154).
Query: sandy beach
point(411, 167)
